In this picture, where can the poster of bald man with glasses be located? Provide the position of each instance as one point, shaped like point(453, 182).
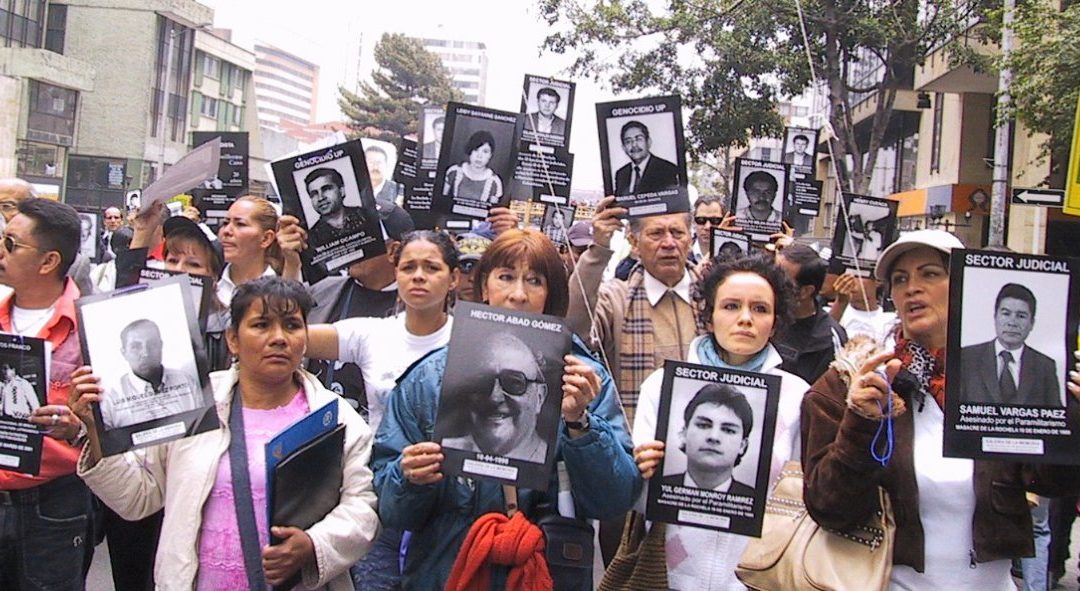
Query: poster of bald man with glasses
point(500, 401)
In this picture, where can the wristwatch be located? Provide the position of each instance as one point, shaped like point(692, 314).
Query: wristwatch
point(582, 425)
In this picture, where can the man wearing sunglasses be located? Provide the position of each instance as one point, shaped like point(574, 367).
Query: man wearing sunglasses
point(47, 518)
point(708, 214)
point(505, 403)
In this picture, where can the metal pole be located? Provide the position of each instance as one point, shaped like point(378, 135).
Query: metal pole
point(999, 192)
point(165, 102)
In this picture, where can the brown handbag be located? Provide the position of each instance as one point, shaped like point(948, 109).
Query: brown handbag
point(640, 563)
point(794, 552)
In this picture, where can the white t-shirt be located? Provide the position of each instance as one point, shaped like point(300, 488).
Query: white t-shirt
point(383, 349)
point(28, 322)
point(876, 324)
point(946, 510)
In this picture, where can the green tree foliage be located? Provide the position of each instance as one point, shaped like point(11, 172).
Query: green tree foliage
point(1046, 73)
point(732, 60)
point(407, 76)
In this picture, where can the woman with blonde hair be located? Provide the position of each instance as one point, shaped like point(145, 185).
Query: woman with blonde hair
point(248, 238)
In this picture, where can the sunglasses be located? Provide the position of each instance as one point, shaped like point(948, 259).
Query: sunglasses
point(702, 220)
point(513, 382)
point(10, 244)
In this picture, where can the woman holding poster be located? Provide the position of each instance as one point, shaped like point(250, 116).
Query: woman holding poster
point(202, 540)
point(746, 299)
point(521, 270)
point(958, 521)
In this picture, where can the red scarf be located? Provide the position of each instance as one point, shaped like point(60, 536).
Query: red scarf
point(907, 351)
point(496, 539)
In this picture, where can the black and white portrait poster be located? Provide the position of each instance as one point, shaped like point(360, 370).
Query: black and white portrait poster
point(556, 221)
point(202, 291)
point(330, 191)
point(88, 235)
point(800, 145)
point(381, 159)
point(24, 386)
point(548, 105)
point(860, 236)
point(432, 131)
point(502, 395)
point(477, 162)
point(144, 344)
point(218, 193)
point(717, 426)
point(1012, 331)
point(643, 154)
point(759, 197)
point(405, 169)
point(728, 244)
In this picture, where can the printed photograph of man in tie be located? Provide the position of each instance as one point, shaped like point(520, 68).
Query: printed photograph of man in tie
point(1006, 370)
point(646, 172)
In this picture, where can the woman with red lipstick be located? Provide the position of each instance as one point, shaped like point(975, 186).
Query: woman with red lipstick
point(248, 238)
point(193, 479)
point(958, 521)
point(521, 270)
point(745, 300)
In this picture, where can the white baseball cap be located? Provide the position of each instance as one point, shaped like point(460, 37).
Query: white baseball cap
point(936, 239)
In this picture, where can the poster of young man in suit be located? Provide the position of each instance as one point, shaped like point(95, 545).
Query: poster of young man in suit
point(476, 161)
point(864, 228)
point(501, 400)
point(759, 197)
point(717, 426)
point(329, 190)
point(548, 105)
point(1012, 330)
point(643, 154)
point(24, 384)
point(728, 244)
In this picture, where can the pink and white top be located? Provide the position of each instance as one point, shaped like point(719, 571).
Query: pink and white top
point(221, 559)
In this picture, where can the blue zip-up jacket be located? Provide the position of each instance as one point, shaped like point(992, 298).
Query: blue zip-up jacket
point(603, 476)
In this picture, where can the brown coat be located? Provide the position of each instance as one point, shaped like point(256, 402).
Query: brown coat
point(841, 481)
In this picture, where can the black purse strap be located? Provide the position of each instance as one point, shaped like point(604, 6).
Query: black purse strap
point(241, 484)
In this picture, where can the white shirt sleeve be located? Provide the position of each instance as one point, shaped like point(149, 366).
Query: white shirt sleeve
point(354, 338)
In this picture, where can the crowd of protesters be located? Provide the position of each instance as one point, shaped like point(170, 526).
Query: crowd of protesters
point(374, 338)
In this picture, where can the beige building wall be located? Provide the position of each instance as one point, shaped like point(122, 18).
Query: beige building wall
point(11, 105)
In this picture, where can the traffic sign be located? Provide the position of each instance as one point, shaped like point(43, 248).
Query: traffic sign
point(1042, 197)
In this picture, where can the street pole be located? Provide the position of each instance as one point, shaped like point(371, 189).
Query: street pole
point(165, 102)
point(999, 190)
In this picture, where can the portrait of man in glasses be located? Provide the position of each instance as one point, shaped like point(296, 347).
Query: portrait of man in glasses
point(504, 403)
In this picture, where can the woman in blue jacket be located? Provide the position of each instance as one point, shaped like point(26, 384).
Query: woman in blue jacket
point(521, 270)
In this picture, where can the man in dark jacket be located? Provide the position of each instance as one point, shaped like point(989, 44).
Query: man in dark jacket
point(807, 344)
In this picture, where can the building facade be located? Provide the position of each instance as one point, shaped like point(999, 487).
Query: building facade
point(286, 86)
point(467, 63)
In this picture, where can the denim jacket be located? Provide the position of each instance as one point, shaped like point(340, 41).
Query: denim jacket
point(604, 479)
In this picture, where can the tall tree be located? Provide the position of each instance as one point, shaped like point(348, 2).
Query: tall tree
point(1045, 63)
point(407, 76)
point(732, 60)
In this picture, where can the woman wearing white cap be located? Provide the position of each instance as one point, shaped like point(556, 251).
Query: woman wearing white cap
point(958, 521)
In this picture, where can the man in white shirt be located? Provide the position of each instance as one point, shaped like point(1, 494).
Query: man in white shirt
point(150, 390)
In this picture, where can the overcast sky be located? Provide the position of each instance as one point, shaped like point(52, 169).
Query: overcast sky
point(339, 37)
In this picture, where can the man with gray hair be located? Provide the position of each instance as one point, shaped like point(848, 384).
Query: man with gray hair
point(12, 191)
point(648, 318)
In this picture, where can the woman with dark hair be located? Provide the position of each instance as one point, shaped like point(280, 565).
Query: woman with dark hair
point(745, 301)
point(958, 521)
point(473, 178)
point(426, 274)
point(521, 270)
point(193, 478)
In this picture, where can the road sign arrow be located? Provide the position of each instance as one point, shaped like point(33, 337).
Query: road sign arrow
point(1045, 197)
